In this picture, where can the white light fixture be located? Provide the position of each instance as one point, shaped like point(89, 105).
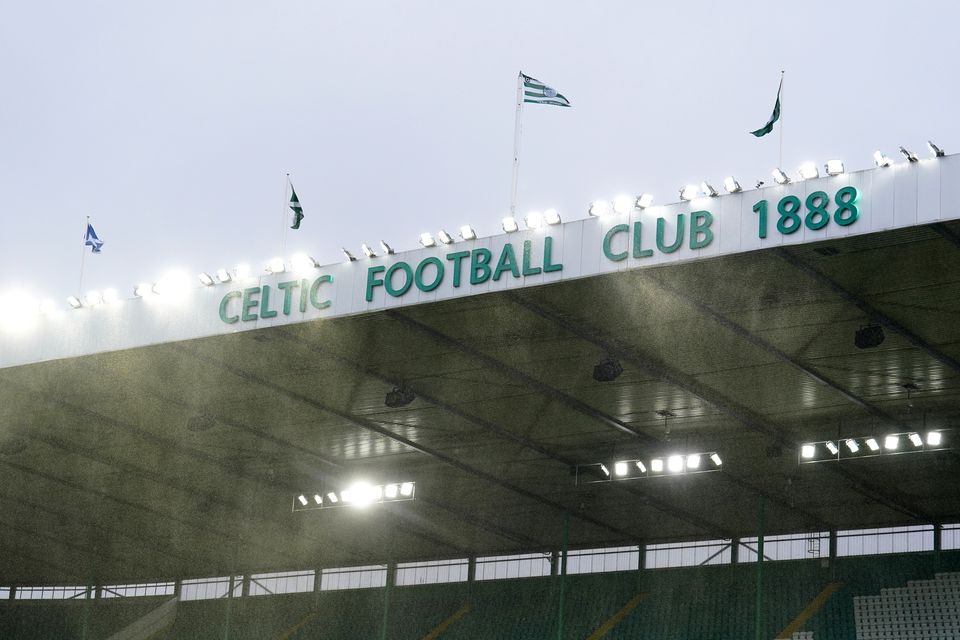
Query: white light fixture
point(604, 470)
point(915, 439)
point(731, 185)
point(934, 438)
point(644, 200)
point(74, 302)
point(143, 290)
point(935, 151)
point(833, 167)
point(832, 448)
point(445, 237)
point(242, 271)
point(303, 500)
point(623, 204)
point(807, 451)
point(534, 220)
point(620, 468)
point(276, 265)
point(509, 224)
point(852, 445)
point(656, 465)
point(872, 444)
point(317, 498)
point(708, 189)
point(600, 208)
point(387, 249)
point(675, 464)
point(716, 459)
point(301, 262)
point(693, 461)
point(367, 251)
point(467, 232)
point(809, 171)
point(92, 298)
point(909, 155)
point(406, 489)
point(349, 256)
point(223, 276)
point(689, 192)
point(172, 284)
point(391, 491)
point(881, 160)
point(332, 498)
point(779, 176)
point(110, 296)
point(551, 217)
point(641, 466)
point(206, 279)
point(426, 239)
point(891, 442)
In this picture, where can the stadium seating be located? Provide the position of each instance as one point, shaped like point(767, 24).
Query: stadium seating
point(923, 610)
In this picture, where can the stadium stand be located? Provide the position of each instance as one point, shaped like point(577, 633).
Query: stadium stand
point(924, 609)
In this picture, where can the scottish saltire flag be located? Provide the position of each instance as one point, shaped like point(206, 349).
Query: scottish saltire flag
point(536, 92)
point(91, 240)
point(296, 208)
point(767, 128)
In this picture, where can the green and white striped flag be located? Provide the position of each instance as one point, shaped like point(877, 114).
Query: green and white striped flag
point(536, 92)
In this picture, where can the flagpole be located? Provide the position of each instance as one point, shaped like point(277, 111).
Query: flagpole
point(780, 157)
point(517, 131)
point(83, 257)
point(283, 219)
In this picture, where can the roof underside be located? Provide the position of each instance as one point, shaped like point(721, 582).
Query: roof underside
point(102, 480)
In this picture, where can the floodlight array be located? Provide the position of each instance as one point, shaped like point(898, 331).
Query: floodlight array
point(357, 495)
point(872, 446)
point(674, 464)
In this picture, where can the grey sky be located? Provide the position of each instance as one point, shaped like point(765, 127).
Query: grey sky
point(173, 123)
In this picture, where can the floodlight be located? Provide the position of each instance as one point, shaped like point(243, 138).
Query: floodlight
point(242, 271)
point(675, 464)
point(916, 439)
point(174, 283)
point(509, 224)
point(301, 262)
point(643, 201)
point(534, 220)
point(716, 459)
point(852, 445)
point(641, 466)
point(467, 232)
point(708, 189)
point(93, 298)
point(656, 465)
point(869, 337)
point(731, 185)
point(387, 249)
point(891, 442)
point(361, 494)
point(367, 251)
point(206, 279)
point(620, 468)
point(832, 448)
point(809, 171)
point(426, 239)
point(881, 160)
point(689, 192)
point(400, 397)
point(276, 266)
point(390, 491)
point(223, 276)
point(317, 498)
point(445, 237)
point(807, 451)
point(934, 438)
point(909, 155)
point(604, 470)
point(110, 296)
point(623, 204)
point(780, 177)
point(693, 461)
point(350, 257)
point(872, 444)
point(303, 500)
point(600, 208)
point(332, 498)
point(607, 370)
point(935, 150)
point(833, 167)
point(143, 290)
point(406, 489)
point(551, 217)
point(47, 306)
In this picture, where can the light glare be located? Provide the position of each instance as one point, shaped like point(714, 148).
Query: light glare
point(891, 442)
point(934, 438)
point(693, 461)
point(620, 468)
point(656, 465)
point(675, 463)
point(807, 451)
point(689, 192)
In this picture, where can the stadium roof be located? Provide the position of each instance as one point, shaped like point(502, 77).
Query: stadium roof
point(181, 455)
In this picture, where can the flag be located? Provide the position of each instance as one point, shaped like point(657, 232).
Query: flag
point(91, 240)
point(767, 128)
point(536, 92)
point(296, 208)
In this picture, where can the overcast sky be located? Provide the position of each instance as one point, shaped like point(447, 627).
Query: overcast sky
point(173, 124)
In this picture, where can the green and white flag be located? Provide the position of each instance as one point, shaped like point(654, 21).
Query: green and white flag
point(535, 92)
point(767, 128)
point(296, 208)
